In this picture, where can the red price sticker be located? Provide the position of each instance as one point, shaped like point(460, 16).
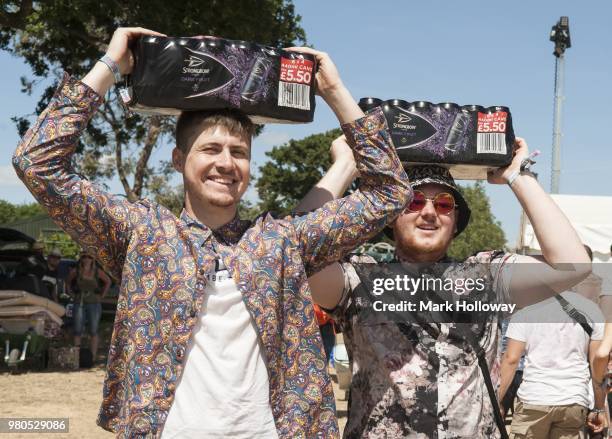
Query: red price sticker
point(492, 122)
point(296, 70)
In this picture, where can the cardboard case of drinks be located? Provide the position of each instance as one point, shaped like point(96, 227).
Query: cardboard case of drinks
point(173, 74)
point(470, 140)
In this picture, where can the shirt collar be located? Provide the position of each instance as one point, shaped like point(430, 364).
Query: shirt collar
point(229, 233)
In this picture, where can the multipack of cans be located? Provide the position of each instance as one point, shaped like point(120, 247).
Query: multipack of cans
point(174, 74)
point(469, 139)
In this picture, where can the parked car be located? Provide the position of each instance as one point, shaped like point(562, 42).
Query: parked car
point(21, 266)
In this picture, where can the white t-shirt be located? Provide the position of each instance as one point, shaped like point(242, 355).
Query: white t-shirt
point(224, 389)
point(556, 351)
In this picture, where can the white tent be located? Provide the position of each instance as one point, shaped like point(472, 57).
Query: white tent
point(590, 215)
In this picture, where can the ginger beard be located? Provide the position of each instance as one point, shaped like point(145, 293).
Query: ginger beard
point(425, 235)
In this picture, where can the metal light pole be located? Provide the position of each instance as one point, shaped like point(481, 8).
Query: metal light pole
point(560, 35)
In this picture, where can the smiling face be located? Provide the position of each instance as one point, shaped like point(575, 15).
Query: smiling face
point(216, 169)
point(425, 235)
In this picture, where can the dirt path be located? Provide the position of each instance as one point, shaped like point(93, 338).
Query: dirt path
point(73, 395)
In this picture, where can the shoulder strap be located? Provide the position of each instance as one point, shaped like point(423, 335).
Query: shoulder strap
point(486, 374)
point(574, 314)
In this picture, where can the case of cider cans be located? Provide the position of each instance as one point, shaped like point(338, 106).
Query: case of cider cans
point(174, 74)
point(469, 139)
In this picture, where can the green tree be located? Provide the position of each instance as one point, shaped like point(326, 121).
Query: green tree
point(72, 35)
point(292, 169)
point(63, 242)
point(9, 213)
point(484, 232)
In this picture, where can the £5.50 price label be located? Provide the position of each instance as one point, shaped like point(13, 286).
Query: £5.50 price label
point(296, 70)
point(492, 122)
point(491, 135)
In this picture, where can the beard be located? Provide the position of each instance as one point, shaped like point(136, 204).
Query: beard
point(420, 249)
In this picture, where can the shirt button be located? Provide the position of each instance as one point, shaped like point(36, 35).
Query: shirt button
point(202, 271)
point(179, 354)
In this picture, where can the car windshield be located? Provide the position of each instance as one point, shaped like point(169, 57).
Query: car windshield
point(14, 245)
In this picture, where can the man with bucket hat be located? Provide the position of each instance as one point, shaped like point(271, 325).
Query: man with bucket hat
point(437, 378)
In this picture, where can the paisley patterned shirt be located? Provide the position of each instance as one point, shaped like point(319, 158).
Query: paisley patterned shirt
point(163, 260)
point(421, 380)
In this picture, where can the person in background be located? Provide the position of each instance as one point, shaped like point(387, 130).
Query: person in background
point(35, 263)
point(51, 276)
point(602, 366)
point(88, 284)
point(326, 326)
point(507, 402)
point(559, 337)
point(604, 271)
point(30, 272)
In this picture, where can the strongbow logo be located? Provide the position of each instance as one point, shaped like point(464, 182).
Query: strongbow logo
point(403, 118)
point(194, 61)
point(207, 73)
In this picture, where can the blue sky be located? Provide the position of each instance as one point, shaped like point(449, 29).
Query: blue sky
point(486, 53)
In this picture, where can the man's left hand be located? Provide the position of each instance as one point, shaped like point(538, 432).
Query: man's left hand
point(596, 422)
point(501, 175)
point(327, 77)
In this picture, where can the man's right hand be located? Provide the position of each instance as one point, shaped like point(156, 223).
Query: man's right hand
point(119, 50)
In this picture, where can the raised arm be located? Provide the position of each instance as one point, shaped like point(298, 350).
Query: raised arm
point(331, 89)
point(330, 232)
point(98, 221)
point(336, 180)
point(564, 261)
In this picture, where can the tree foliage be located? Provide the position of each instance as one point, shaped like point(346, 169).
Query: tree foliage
point(484, 232)
point(292, 170)
point(71, 35)
point(63, 242)
point(10, 213)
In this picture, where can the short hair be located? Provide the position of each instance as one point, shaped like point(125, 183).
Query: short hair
point(236, 122)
